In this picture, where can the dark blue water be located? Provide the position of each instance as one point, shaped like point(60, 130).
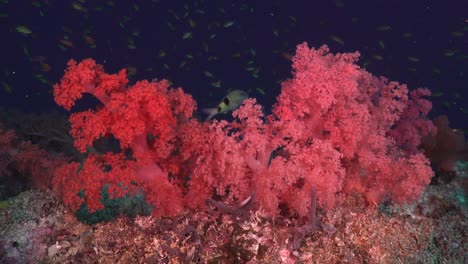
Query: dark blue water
point(209, 47)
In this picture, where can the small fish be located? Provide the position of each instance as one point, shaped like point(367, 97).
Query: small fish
point(287, 55)
point(381, 44)
point(216, 84)
point(339, 3)
point(447, 104)
point(171, 26)
point(337, 39)
point(450, 53)
point(182, 64)
point(228, 24)
point(192, 23)
point(230, 102)
point(383, 28)
point(131, 71)
point(7, 87)
point(458, 34)
point(79, 7)
point(208, 74)
point(378, 57)
point(436, 94)
point(66, 42)
point(45, 67)
point(89, 40)
point(187, 35)
point(407, 35)
point(276, 32)
point(260, 90)
point(23, 30)
point(162, 54)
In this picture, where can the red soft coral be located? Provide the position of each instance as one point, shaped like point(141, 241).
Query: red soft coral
point(143, 118)
point(27, 159)
point(334, 127)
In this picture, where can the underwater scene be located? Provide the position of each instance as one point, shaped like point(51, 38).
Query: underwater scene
point(151, 131)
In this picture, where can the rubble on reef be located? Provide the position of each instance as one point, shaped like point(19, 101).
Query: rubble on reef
point(36, 228)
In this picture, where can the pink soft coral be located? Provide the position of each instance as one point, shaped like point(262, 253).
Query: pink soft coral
point(330, 98)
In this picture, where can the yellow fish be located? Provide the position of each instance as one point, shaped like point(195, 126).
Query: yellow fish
point(230, 102)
